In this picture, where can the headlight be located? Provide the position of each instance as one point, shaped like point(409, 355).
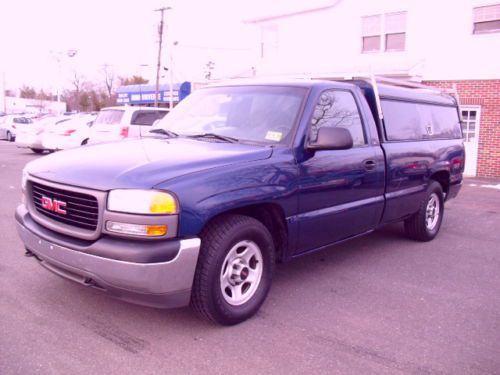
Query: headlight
point(142, 202)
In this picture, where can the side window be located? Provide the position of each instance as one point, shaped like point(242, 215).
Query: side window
point(338, 108)
point(402, 121)
point(416, 121)
point(146, 117)
point(445, 122)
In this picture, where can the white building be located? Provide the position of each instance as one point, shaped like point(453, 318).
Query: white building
point(440, 42)
point(11, 104)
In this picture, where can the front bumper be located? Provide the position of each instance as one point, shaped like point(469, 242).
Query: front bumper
point(159, 284)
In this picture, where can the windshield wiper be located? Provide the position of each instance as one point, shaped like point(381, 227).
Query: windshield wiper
point(224, 138)
point(166, 132)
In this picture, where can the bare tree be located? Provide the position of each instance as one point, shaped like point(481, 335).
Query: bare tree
point(27, 92)
point(109, 79)
point(77, 82)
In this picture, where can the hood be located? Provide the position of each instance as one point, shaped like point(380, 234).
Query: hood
point(141, 163)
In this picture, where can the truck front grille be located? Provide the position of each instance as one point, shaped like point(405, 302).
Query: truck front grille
point(77, 209)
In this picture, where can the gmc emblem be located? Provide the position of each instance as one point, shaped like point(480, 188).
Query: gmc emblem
point(53, 205)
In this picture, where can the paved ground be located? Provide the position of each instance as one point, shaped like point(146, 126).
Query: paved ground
point(376, 305)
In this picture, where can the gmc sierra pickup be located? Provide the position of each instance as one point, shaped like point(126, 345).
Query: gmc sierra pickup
point(236, 178)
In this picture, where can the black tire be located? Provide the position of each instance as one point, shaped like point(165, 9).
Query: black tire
point(10, 138)
point(417, 227)
point(84, 142)
point(37, 150)
point(218, 239)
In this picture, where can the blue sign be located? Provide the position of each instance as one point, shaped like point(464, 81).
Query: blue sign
point(145, 94)
point(146, 97)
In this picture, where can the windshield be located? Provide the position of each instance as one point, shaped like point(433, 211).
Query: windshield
point(109, 117)
point(250, 113)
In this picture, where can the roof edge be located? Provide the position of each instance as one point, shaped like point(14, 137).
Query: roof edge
point(292, 14)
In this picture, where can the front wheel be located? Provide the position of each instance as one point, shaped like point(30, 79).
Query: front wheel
point(234, 270)
point(10, 137)
point(425, 224)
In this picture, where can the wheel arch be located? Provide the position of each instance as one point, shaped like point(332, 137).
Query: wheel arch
point(272, 216)
point(443, 177)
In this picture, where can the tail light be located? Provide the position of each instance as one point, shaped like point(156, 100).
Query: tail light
point(124, 132)
point(13, 126)
point(68, 132)
point(457, 164)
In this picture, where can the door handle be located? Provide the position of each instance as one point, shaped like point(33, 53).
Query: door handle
point(369, 164)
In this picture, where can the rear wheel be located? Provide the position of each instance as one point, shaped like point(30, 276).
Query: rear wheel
point(234, 270)
point(37, 150)
point(10, 137)
point(84, 142)
point(425, 224)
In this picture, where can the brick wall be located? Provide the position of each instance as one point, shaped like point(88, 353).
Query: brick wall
point(485, 93)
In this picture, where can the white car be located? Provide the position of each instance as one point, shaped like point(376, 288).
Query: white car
point(30, 135)
point(117, 123)
point(9, 125)
point(72, 133)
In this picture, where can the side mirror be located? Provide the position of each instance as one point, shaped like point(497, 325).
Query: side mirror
point(332, 139)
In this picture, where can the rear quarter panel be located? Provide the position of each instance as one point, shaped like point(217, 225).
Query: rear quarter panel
point(410, 166)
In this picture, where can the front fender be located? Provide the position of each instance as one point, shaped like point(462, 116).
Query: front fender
point(203, 196)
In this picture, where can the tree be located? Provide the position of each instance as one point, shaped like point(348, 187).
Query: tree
point(134, 80)
point(42, 95)
point(27, 92)
point(77, 82)
point(109, 79)
point(85, 102)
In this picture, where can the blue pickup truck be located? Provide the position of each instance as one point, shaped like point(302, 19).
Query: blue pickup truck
point(237, 178)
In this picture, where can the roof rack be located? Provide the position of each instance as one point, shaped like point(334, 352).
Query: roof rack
point(374, 80)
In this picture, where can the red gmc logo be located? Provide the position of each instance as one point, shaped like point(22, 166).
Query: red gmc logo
point(53, 205)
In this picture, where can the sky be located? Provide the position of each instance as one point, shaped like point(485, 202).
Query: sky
point(35, 34)
point(122, 34)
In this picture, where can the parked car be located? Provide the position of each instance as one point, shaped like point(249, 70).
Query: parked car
point(117, 123)
point(9, 125)
point(30, 135)
point(72, 133)
point(240, 176)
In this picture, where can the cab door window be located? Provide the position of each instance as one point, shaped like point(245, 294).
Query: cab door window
point(337, 108)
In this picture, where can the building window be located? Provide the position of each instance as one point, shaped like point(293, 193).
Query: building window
point(470, 118)
point(384, 32)
point(487, 19)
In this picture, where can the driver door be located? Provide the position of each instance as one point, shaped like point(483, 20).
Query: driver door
point(340, 191)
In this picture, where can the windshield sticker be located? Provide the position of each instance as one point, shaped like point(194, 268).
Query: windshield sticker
point(274, 136)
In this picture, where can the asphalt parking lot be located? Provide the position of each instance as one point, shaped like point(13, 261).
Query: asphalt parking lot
point(380, 304)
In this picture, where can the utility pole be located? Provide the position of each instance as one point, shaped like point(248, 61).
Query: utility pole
point(160, 33)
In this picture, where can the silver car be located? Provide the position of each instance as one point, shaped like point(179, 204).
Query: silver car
point(9, 125)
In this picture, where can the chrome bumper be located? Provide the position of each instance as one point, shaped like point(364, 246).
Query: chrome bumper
point(165, 284)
